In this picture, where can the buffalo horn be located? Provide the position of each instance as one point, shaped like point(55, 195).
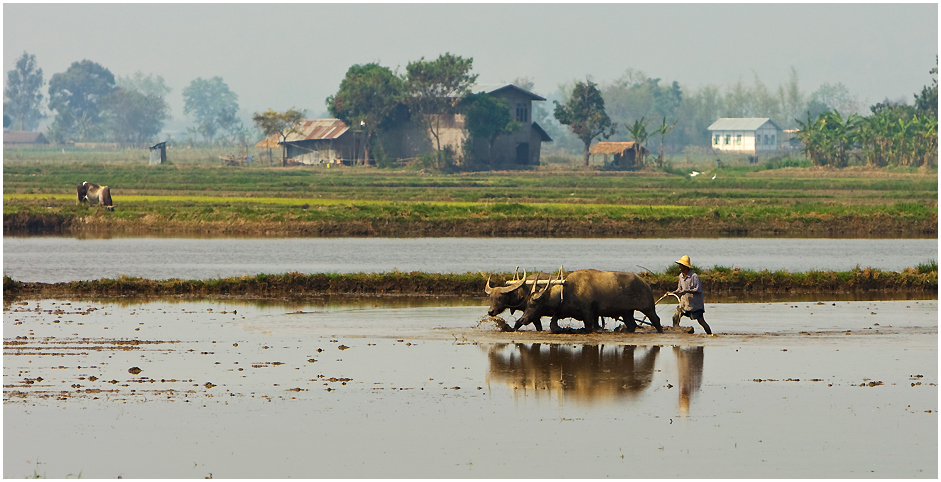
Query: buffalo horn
point(488, 289)
point(518, 283)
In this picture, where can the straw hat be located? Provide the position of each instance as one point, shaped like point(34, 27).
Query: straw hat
point(685, 261)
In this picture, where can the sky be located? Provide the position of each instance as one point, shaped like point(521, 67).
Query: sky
point(280, 56)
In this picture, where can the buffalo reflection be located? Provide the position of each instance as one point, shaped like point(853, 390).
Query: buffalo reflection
point(584, 373)
point(589, 373)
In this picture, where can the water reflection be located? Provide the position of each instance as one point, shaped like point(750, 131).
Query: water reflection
point(584, 373)
point(591, 373)
point(689, 360)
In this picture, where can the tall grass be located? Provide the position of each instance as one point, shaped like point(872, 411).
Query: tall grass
point(716, 280)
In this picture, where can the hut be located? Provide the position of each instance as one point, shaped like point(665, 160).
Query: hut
point(627, 155)
point(12, 138)
point(158, 153)
point(318, 141)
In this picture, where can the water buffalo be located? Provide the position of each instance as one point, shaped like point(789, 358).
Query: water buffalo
point(589, 294)
point(95, 194)
point(512, 297)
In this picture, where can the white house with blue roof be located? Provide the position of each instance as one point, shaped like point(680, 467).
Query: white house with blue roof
point(746, 134)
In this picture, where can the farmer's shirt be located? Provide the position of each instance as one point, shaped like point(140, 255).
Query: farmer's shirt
point(691, 301)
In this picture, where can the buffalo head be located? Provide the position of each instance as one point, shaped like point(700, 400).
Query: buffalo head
point(511, 297)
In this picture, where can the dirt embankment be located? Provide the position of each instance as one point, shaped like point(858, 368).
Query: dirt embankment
point(299, 285)
point(710, 225)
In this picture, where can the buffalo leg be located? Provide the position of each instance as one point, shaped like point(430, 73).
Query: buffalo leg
point(654, 318)
point(519, 324)
point(629, 325)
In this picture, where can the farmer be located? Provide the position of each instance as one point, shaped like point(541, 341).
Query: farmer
point(689, 290)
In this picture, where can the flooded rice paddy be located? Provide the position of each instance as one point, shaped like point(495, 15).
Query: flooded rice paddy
point(431, 389)
point(56, 259)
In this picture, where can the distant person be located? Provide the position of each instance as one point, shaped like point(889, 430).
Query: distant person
point(689, 290)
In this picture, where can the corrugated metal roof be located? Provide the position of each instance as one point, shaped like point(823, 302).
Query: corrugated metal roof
point(317, 129)
point(308, 130)
point(613, 147)
point(740, 124)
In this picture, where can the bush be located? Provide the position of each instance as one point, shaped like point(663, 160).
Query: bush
point(929, 267)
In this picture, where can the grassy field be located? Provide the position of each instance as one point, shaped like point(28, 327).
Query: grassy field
point(203, 196)
point(922, 279)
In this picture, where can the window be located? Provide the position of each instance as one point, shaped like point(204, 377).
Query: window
point(738, 140)
point(522, 112)
point(766, 139)
point(772, 140)
point(715, 140)
point(728, 139)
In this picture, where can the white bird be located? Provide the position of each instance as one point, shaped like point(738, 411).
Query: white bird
point(713, 177)
point(694, 174)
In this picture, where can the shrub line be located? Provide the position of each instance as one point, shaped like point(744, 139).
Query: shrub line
point(717, 280)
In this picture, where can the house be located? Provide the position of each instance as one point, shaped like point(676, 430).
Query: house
point(13, 138)
point(625, 153)
point(523, 146)
point(332, 141)
point(520, 148)
point(318, 141)
point(747, 134)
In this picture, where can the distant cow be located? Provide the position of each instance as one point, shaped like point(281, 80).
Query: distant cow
point(95, 194)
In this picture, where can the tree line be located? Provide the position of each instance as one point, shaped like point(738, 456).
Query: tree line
point(90, 104)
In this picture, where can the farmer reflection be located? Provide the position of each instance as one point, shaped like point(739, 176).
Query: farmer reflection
point(584, 372)
point(689, 367)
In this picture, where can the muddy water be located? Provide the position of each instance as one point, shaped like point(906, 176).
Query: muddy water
point(330, 390)
point(55, 259)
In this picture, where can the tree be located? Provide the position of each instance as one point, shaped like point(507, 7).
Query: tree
point(584, 114)
point(213, 105)
point(487, 117)
point(367, 97)
point(638, 132)
point(435, 89)
point(147, 85)
point(792, 101)
point(23, 93)
point(827, 138)
point(281, 123)
point(663, 130)
point(133, 117)
point(829, 97)
point(76, 95)
point(927, 101)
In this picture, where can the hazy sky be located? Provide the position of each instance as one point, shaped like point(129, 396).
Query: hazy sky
point(283, 55)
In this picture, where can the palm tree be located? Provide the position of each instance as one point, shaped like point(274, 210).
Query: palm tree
point(638, 132)
point(663, 130)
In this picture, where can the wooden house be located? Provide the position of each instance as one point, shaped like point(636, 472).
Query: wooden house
point(520, 148)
